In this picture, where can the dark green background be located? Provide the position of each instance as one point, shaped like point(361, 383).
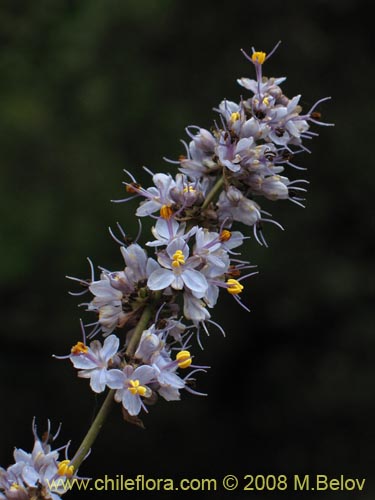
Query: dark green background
point(90, 87)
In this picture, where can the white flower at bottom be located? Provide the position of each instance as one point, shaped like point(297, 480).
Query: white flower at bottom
point(131, 386)
point(36, 475)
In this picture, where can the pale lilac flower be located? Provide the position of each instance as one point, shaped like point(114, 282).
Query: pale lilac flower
point(286, 126)
point(94, 361)
point(195, 308)
point(113, 293)
point(232, 154)
point(107, 302)
point(178, 270)
point(166, 230)
point(131, 385)
point(152, 341)
point(267, 86)
point(156, 197)
point(32, 475)
point(200, 153)
point(138, 264)
point(233, 205)
point(167, 378)
point(186, 193)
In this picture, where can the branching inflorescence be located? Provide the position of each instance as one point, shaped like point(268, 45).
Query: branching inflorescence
point(150, 312)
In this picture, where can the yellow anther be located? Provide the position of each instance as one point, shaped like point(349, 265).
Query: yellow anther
point(258, 57)
point(166, 212)
point(136, 389)
point(266, 101)
point(225, 235)
point(64, 469)
point(178, 258)
point(189, 189)
point(184, 359)
point(235, 116)
point(79, 348)
point(234, 286)
point(15, 487)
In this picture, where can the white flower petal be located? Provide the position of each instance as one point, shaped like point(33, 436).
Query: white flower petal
point(131, 402)
point(30, 476)
point(170, 379)
point(82, 362)
point(110, 347)
point(160, 279)
point(147, 208)
point(178, 244)
point(151, 266)
point(194, 309)
point(178, 283)
point(195, 281)
point(98, 380)
point(115, 379)
point(144, 374)
point(169, 393)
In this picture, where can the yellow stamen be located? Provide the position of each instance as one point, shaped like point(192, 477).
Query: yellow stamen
point(258, 57)
point(184, 359)
point(235, 117)
point(225, 235)
point(234, 287)
point(266, 101)
point(136, 388)
point(15, 487)
point(79, 348)
point(178, 258)
point(189, 189)
point(64, 469)
point(166, 212)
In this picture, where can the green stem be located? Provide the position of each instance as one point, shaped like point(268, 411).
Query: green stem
point(100, 418)
point(103, 413)
point(141, 326)
point(211, 195)
point(94, 430)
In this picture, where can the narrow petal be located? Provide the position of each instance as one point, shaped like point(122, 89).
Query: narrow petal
point(82, 362)
point(147, 208)
point(178, 283)
point(110, 347)
point(98, 380)
point(168, 378)
point(131, 402)
point(169, 393)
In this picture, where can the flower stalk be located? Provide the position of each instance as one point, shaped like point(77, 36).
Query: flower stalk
point(144, 350)
point(93, 431)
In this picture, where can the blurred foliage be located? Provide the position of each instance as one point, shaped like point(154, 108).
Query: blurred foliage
point(91, 87)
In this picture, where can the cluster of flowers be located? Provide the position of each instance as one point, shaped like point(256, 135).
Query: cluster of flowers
point(153, 369)
point(38, 474)
point(156, 305)
point(222, 172)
